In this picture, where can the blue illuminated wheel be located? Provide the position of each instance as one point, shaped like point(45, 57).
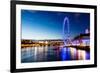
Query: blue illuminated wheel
point(65, 30)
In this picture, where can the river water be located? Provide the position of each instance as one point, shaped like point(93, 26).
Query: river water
point(51, 53)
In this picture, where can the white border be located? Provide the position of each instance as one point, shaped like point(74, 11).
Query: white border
point(20, 65)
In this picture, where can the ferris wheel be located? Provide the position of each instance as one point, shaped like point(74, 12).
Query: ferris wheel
point(66, 35)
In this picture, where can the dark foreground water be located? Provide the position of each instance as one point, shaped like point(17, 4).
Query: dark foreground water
point(51, 53)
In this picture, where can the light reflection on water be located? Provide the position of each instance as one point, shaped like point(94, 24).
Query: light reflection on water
point(51, 53)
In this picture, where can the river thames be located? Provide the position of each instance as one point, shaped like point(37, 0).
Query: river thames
point(52, 53)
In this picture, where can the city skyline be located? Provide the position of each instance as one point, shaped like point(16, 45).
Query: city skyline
point(41, 25)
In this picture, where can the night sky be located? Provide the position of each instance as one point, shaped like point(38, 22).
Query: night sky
point(41, 25)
